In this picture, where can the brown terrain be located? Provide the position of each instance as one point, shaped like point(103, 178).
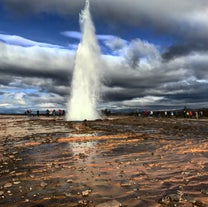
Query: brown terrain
point(119, 161)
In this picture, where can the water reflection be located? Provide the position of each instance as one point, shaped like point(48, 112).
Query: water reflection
point(80, 147)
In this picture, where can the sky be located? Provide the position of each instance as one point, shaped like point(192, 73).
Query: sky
point(155, 53)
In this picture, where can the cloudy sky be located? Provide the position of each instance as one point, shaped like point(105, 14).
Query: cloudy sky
point(155, 53)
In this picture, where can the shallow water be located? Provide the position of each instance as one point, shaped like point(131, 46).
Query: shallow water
point(84, 164)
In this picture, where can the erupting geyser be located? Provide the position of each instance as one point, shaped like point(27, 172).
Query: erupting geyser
point(86, 78)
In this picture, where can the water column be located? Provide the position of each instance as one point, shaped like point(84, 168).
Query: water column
point(86, 80)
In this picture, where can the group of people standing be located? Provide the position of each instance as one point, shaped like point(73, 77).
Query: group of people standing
point(197, 114)
point(54, 112)
point(47, 113)
point(191, 114)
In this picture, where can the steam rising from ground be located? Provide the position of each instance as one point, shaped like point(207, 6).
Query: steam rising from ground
point(86, 76)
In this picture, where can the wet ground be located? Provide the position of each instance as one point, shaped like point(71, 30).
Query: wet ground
point(141, 162)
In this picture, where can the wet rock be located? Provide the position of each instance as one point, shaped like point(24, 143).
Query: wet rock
point(198, 204)
point(8, 185)
point(126, 184)
point(43, 184)
point(82, 156)
point(5, 171)
point(82, 169)
point(113, 203)
point(27, 200)
point(172, 198)
point(83, 202)
point(86, 192)
point(69, 181)
point(67, 194)
point(9, 193)
point(165, 200)
point(175, 197)
point(19, 159)
point(13, 172)
point(57, 166)
point(16, 182)
point(1, 193)
point(204, 191)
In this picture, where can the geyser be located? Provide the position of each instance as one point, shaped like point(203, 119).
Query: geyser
point(86, 80)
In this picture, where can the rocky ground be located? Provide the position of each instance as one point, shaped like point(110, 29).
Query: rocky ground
point(119, 161)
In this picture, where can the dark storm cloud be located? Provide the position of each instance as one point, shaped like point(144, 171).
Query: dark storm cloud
point(183, 49)
point(162, 14)
point(4, 79)
point(17, 71)
point(184, 20)
point(169, 16)
point(123, 93)
point(24, 7)
point(37, 62)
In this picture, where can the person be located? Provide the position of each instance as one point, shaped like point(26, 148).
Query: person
point(190, 114)
point(59, 112)
point(54, 112)
point(201, 114)
point(197, 115)
point(47, 112)
point(38, 113)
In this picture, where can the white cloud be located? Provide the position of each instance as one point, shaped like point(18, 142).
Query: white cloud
point(72, 34)
point(35, 58)
point(13, 100)
point(17, 40)
point(46, 106)
point(19, 99)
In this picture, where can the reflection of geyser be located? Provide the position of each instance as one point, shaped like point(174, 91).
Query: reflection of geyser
point(86, 76)
point(82, 147)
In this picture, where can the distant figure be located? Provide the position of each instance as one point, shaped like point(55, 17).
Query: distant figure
point(38, 113)
point(59, 112)
point(184, 113)
point(151, 113)
point(197, 115)
point(47, 112)
point(54, 112)
point(190, 114)
point(29, 112)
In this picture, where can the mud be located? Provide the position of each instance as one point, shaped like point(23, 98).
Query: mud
point(145, 162)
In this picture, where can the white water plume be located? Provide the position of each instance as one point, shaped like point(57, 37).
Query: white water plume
point(86, 78)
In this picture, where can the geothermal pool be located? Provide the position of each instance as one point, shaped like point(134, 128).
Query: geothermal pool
point(136, 161)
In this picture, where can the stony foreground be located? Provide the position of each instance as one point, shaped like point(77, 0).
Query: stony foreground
point(119, 161)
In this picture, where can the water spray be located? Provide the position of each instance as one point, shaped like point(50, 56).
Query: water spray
point(86, 80)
